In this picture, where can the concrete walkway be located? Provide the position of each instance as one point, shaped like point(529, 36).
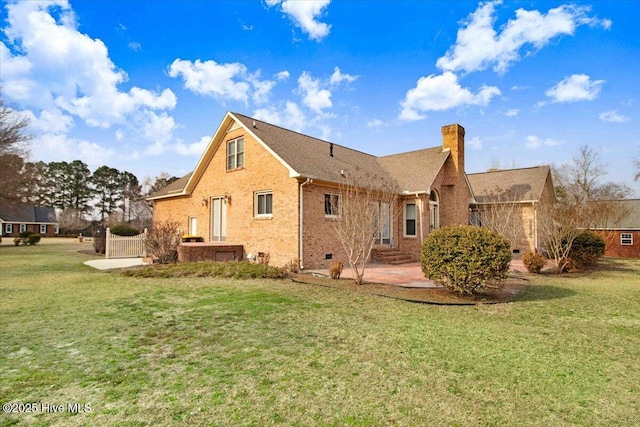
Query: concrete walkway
point(113, 263)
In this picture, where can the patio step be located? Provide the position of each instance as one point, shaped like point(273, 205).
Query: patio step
point(391, 256)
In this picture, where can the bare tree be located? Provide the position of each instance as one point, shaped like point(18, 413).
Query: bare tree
point(71, 220)
point(636, 163)
point(580, 181)
point(13, 131)
point(560, 224)
point(358, 206)
point(501, 213)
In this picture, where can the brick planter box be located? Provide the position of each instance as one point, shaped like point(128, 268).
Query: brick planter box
point(209, 251)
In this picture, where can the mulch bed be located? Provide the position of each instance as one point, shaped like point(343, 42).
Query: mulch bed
point(441, 296)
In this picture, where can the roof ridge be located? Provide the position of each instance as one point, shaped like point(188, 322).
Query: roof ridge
point(410, 152)
point(510, 170)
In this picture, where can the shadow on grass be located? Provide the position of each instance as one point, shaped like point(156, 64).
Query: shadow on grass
point(618, 264)
point(543, 293)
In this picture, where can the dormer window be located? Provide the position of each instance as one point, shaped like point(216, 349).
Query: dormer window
point(235, 154)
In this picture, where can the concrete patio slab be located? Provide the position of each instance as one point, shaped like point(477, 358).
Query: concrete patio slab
point(113, 263)
point(404, 275)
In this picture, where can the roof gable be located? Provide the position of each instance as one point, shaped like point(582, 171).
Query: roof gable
point(523, 185)
point(415, 171)
point(308, 157)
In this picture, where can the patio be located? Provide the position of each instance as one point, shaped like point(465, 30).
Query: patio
point(404, 275)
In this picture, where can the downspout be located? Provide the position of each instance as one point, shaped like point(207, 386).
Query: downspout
point(535, 226)
point(421, 204)
point(301, 220)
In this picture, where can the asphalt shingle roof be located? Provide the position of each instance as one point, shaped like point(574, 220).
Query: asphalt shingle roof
point(630, 221)
point(309, 157)
point(521, 184)
point(18, 212)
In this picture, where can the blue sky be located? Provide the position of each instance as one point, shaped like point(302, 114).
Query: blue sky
point(142, 85)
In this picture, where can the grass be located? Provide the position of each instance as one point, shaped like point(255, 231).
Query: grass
point(213, 351)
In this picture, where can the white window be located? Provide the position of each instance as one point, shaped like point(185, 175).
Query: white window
point(235, 154)
point(57, 230)
point(23, 228)
point(626, 239)
point(8, 228)
point(331, 205)
point(43, 228)
point(193, 226)
point(410, 219)
point(263, 204)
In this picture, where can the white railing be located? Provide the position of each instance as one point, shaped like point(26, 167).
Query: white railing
point(125, 246)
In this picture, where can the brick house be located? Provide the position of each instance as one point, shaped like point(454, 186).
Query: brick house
point(622, 234)
point(266, 188)
point(16, 218)
point(527, 189)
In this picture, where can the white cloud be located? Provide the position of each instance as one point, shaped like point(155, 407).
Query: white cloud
point(157, 128)
point(337, 77)
point(230, 81)
point(512, 112)
point(193, 149)
point(58, 73)
point(59, 147)
point(135, 46)
point(577, 87)
point(479, 46)
point(52, 121)
point(222, 81)
point(612, 116)
point(283, 75)
point(375, 123)
point(313, 96)
point(475, 143)
point(305, 14)
point(442, 92)
point(534, 142)
point(292, 117)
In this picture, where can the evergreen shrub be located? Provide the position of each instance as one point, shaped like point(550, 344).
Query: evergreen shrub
point(465, 259)
point(586, 249)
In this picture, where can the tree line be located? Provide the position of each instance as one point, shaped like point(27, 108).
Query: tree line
point(71, 187)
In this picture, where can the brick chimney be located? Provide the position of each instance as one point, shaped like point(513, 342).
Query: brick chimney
point(453, 139)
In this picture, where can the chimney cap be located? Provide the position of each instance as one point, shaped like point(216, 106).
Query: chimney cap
point(455, 127)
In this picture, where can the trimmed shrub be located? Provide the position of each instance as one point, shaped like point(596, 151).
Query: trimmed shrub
point(465, 259)
point(124, 230)
point(25, 235)
point(534, 262)
point(586, 249)
point(335, 269)
point(33, 239)
point(233, 269)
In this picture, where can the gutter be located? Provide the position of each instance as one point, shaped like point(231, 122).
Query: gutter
point(300, 221)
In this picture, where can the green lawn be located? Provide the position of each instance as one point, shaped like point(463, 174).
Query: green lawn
point(202, 351)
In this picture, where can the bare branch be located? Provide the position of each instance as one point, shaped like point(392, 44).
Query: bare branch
point(362, 203)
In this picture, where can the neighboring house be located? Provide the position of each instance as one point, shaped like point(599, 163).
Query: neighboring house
point(512, 199)
point(16, 218)
point(272, 190)
point(621, 232)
